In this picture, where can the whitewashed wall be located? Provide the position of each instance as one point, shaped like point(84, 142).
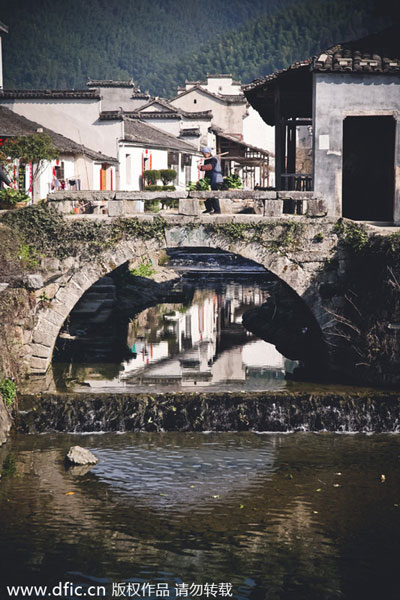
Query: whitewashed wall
point(75, 119)
point(257, 133)
point(130, 161)
point(337, 96)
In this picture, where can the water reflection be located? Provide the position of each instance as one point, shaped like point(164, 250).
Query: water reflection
point(286, 517)
point(202, 344)
point(197, 343)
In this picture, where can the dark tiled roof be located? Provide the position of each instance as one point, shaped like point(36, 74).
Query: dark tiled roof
point(110, 83)
point(227, 98)
point(195, 83)
point(154, 114)
point(47, 94)
point(233, 98)
point(139, 94)
point(203, 115)
point(190, 132)
point(175, 112)
point(137, 114)
point(219, 75)
point(12, 124)
point(141, 133)
point(161, 102)
point(376, 53)
point(276, 74)
point(111, 115)
point(233, 138)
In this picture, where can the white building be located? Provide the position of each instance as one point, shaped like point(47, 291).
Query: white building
point(238, 133)
point(143, 147)
point(77, 167)
point(349, 96)
point(230, 110)
point(80, 116)
point(193, 126)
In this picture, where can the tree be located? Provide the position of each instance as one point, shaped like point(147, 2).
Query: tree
point(167, 175)
point(36, 148)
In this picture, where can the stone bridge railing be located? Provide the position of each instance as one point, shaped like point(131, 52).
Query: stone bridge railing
point(119, 204)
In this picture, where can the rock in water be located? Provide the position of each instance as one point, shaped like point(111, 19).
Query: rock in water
point(81, 456)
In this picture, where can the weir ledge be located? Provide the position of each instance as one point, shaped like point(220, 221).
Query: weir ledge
point(353, 411)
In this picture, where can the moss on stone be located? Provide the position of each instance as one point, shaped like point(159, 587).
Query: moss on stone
point(46, 232)
point(261, 233)
point(352, 235)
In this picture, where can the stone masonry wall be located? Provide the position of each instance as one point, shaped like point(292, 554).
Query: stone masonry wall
point(312, 256)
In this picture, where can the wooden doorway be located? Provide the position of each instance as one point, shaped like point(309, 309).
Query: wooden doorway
point(368, 168)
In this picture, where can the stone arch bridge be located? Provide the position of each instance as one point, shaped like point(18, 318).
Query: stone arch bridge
point(295, 249)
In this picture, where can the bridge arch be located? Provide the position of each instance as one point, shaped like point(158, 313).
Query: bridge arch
point(77, 279)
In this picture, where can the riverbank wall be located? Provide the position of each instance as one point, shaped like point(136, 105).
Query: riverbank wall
point(255, 411)
point(5, 423)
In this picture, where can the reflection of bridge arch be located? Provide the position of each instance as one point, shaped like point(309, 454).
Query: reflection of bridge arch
point(50, 318)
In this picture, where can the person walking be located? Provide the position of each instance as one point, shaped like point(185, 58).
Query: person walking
point(212, 172)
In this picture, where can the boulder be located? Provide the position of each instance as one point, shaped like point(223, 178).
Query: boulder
point(81, 456)
point(34, 281)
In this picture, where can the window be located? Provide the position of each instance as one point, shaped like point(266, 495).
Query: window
point(173, 160)
point(195, 101)
point(59, 169)
point(128, 167)
point(186, 160)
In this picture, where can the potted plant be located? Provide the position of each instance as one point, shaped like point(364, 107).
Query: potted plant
point(232, 182)
point(202, 185)
point(10, 198)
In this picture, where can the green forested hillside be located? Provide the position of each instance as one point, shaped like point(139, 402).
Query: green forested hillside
point(276, 40)
point(58, 44)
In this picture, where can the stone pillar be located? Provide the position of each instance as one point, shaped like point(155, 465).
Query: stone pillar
point(189, 206)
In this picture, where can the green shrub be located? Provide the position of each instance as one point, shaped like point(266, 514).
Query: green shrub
point(151, 176)
point(10, 197)
point(167, 175)
point(233, 182)
point(145, 269)
point(203, 185)
point(170, 203)
point(28, 256)
point(8, 391)
point(159, 188)
point(353, 235)
point(152, 206)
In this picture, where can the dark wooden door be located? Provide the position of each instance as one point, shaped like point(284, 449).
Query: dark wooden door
point(368, 168)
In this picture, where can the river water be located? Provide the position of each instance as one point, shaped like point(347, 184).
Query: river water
point(281, 517)
point(193, 339)
point(196, 515)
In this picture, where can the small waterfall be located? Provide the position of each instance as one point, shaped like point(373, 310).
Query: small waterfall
point(258, 411)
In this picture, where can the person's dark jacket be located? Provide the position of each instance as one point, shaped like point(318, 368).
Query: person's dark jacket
point(213, 171)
